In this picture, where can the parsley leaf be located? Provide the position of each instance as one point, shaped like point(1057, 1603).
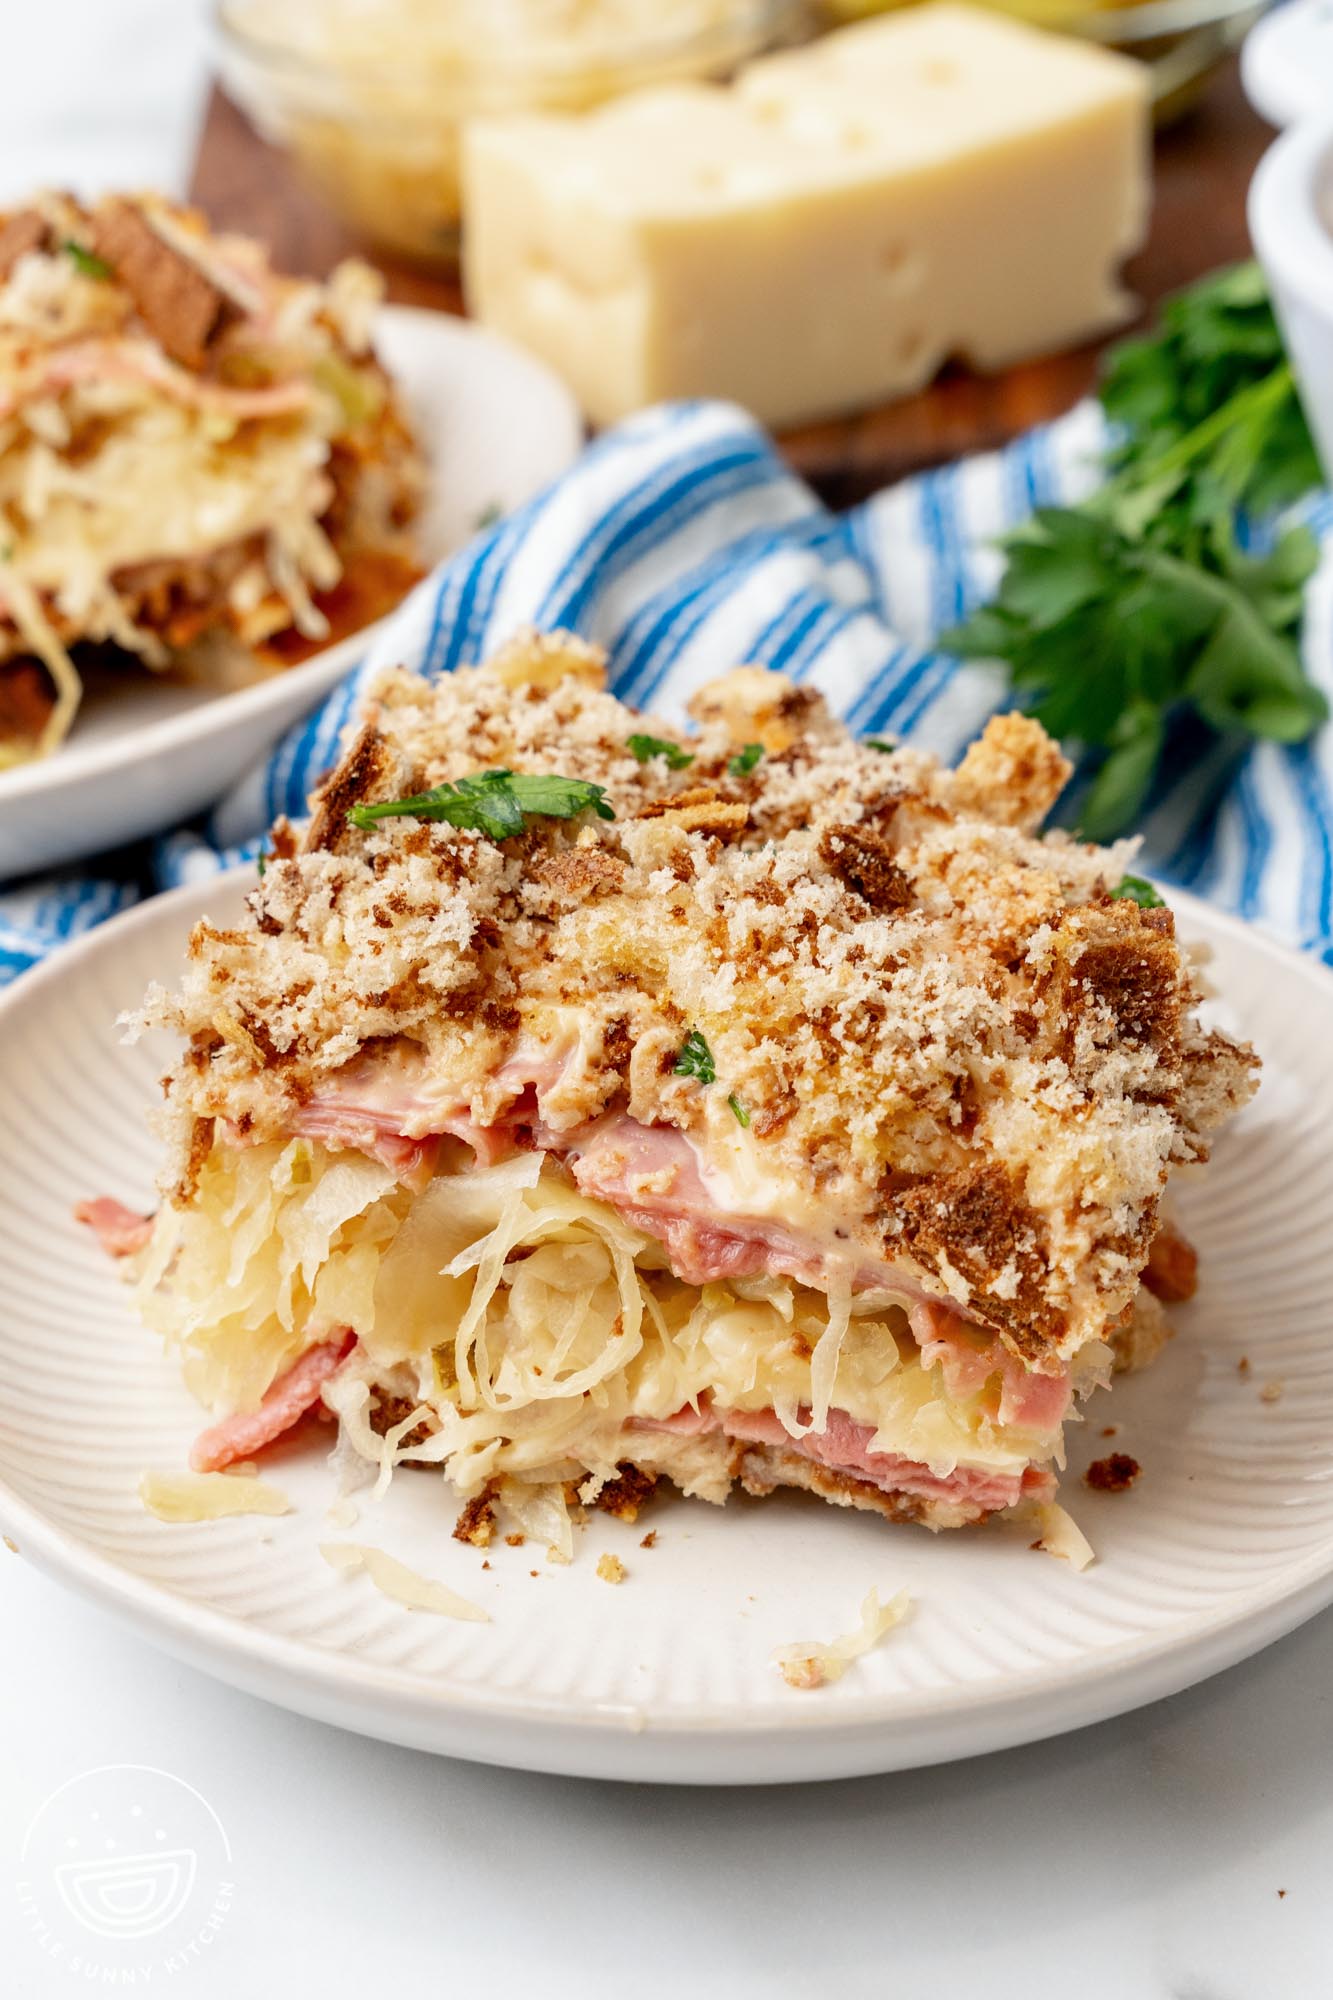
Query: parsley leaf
point(1121, 785)
point(1141, 604)
point(496, 803)
point(696, 1059)
point(647, 747)
point(1133, 889)
point(1218, 341)
point(880, 743)
point(86, 261)
point(742, 1116)
point(741, 765)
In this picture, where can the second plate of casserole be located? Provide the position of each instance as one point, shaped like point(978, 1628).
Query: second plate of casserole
point(494, 426)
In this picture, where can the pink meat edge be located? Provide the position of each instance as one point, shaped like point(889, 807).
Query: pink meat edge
point(294, 1392)
point(843, 1449)
point(121, 1231)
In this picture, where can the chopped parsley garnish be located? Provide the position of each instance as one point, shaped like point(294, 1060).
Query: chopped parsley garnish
point(880, 743)
point(696, 1059)
point(488, 517)
point(741, 765)
point(739, 1111)
point(261, 864)
point(91, 265)
point(647, 747)
point(496, 803)
point(1135, 890)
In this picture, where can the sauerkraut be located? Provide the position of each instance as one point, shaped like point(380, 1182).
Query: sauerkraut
point(520, 1324)
point(1059, 1534)
point(439, 39)
point(405, 1586)
point(209, 1496)
point(372, 95)
point(811, 1663)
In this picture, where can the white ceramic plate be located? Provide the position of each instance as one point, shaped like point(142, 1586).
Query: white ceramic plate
point(496, 425)
point(1225, 1542)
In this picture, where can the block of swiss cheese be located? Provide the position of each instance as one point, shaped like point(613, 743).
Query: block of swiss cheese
point(826, 231)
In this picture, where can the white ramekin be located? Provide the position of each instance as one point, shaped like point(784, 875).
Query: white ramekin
point(1291, 224)
point(1286, 62)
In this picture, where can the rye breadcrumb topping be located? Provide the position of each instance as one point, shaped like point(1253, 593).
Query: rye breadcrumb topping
point(940, 1027)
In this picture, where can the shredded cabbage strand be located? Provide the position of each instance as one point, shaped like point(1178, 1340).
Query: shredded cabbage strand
point(209, 1496)
point(811, 1663)
point(405, 1586)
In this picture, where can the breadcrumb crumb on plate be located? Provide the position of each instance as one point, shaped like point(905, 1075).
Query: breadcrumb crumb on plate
point(1114, 1474)
point(611, 1569)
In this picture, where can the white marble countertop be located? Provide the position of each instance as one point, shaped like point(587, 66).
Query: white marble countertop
point(1141, 1860)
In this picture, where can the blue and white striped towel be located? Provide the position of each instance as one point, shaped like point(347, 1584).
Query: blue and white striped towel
point(683, 544)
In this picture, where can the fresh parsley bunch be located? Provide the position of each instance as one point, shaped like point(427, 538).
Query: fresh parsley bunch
point(1142, 602)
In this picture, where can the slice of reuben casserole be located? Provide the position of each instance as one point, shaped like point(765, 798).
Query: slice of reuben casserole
point(579, 1105)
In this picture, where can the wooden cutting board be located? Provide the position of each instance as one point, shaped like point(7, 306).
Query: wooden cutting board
point(1203, 169)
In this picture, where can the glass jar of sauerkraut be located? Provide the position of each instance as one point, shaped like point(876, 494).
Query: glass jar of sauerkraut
point(370, 96)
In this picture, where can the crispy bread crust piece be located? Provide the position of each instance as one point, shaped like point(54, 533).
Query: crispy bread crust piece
point(175, 297)
point(26, 230)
